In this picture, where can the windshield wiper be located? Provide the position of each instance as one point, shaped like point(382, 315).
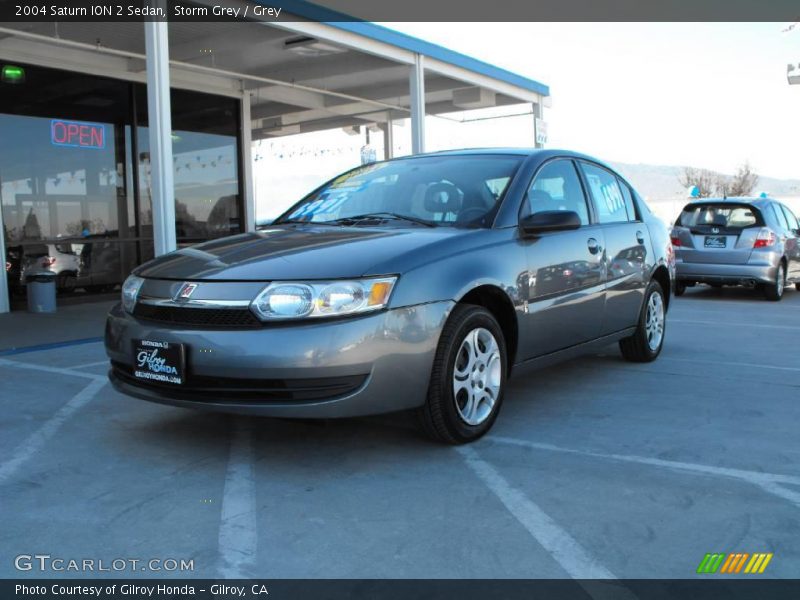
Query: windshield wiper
point(385, 215)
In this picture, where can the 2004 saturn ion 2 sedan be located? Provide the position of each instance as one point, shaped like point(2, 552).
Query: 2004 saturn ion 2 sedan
point(416, 283)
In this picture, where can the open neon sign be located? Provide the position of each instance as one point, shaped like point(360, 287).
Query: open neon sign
point(77, 134)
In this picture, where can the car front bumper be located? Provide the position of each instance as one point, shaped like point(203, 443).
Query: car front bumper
point(726, 273)
point(347, 367)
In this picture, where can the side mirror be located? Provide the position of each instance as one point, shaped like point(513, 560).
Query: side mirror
point(550, 220)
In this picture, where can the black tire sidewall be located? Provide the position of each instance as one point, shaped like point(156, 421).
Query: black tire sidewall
point(464, 323)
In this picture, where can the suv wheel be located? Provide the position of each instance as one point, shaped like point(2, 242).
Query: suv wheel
point(680, 288)
point(468, 377)
point(774, 291)
point(646, 342)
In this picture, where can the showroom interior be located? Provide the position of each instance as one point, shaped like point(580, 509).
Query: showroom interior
point(85, 195)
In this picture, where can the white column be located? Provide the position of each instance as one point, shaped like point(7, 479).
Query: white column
point(249, 199)
point(388, 137)
point(159, 121)
point(417, 91)
point(536, 108)
point(4, 303)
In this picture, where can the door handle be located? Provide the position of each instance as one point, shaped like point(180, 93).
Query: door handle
point(594, 247)
point(640, 237)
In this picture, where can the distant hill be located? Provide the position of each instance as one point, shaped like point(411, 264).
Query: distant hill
point(660, 182)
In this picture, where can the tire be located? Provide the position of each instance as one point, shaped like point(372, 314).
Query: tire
point(640, 347)
point(680, 288)
point(774, 291)
point(797, 286)
point(65, 283)
point(458, 417)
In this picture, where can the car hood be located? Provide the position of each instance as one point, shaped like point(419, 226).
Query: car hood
point(302, 252)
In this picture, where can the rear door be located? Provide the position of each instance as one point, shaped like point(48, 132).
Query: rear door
point(720, 232)
point(627, 247)
point(791, 243)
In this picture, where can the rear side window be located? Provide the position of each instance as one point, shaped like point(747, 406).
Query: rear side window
point(790, 217)
point(606, 194)
point(720, 215)
point(630, 207)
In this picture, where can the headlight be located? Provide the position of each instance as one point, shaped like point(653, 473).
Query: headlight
point(310, 299)
point(130, 290)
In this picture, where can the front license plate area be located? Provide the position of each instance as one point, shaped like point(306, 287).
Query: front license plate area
point(159, 362)
point(715, 241)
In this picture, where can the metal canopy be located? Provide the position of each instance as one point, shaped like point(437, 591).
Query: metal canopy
point(300, 76)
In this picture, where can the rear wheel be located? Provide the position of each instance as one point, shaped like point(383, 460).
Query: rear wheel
point(774, 291)
point(646, 342)
point(680, 288)
point(65, 283)
point(468, 377)
point(797, 286)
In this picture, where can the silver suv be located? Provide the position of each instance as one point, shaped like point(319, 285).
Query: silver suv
point(737, 241)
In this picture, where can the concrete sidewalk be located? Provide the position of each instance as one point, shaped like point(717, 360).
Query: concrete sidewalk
point(21, 329)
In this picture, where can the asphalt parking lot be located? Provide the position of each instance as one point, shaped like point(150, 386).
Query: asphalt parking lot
point(595, 468)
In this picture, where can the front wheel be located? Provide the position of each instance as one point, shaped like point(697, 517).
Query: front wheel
point(468, 377)
point(646, 342)
point(774, 291)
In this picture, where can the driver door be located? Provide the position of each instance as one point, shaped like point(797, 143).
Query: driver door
point(566, 269)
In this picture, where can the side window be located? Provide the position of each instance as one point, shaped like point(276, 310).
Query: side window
point(630, 206)
point(606, 195)
point(779, 216)
point(791, 218)
point(557, 187)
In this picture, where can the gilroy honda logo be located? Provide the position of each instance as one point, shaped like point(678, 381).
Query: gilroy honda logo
point(735, 562)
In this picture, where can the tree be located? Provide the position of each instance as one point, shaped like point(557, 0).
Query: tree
point(704, 180)
point(741, 184)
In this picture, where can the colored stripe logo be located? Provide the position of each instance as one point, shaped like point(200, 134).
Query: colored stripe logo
point(735, 562)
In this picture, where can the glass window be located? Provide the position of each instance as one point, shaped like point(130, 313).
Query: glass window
point(606, 194)
point(719, 215)
point(557, 187)
point(779, 216)
point(790, 218)
point(630, 206)
point(439, 190)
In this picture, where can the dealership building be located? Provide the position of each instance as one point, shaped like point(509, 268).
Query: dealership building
point(122, 141)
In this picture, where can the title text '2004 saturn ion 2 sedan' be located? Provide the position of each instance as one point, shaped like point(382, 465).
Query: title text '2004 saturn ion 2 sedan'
point(416, 283)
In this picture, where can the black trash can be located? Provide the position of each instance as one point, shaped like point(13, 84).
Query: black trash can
point(41, 291)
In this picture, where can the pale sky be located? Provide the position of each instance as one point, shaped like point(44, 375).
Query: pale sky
point(704, 94)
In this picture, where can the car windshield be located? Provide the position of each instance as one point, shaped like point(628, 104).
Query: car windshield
point(455, 191)
point(719, 215)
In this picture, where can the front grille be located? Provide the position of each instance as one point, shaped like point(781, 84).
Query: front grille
point(220, 389)
point(208, 317)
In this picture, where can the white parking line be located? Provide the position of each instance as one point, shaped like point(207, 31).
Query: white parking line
point(725, 363)
point(35, 442)
point(731, 326)
point(91, 364)
point(58, 370)
point(769, 482)
point(572, 557)
point(238, 539)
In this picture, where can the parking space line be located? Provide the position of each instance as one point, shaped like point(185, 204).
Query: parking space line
point(564, 549)
point(38, 439)
point(769, 482)
point(238, 537)
point(91, 364)
point(724, 363)
point(728, 325)
point(57, 370)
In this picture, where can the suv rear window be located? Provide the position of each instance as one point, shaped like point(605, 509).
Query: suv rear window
point(727, 216)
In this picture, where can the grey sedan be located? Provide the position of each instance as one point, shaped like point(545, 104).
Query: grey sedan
point(737, 241)
point(417, 283)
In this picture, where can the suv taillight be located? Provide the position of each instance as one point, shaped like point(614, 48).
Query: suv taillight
point(766, 238)
point(676, 241)
point(48, 261)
